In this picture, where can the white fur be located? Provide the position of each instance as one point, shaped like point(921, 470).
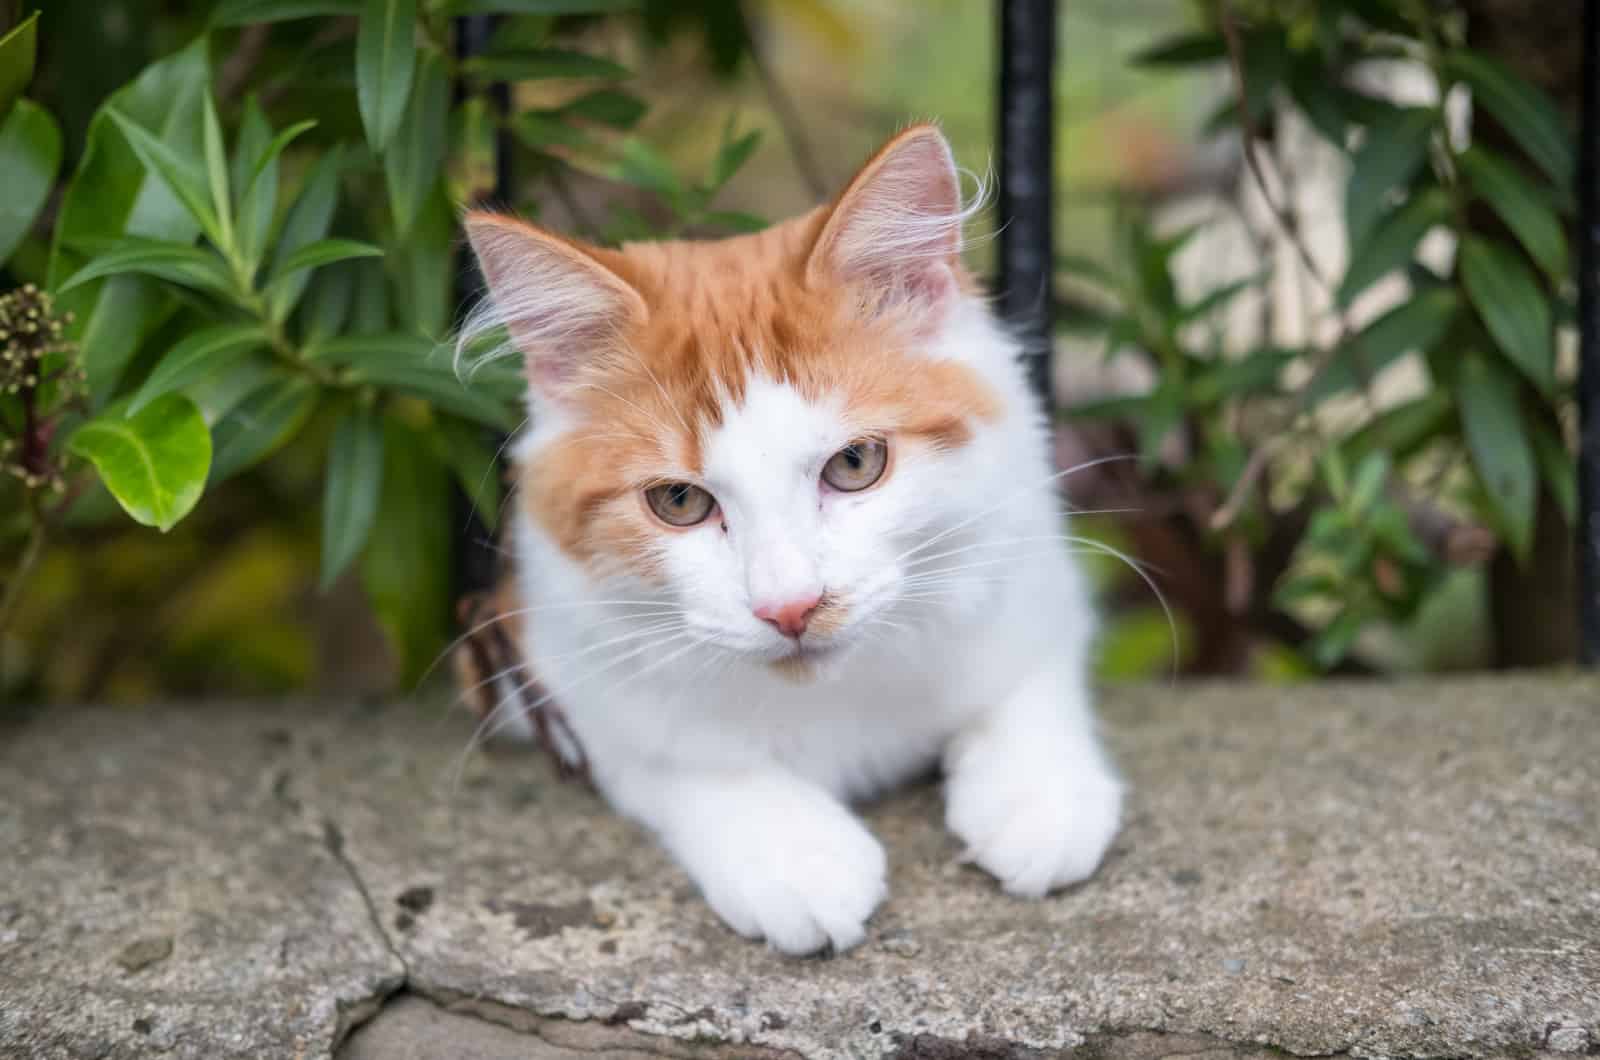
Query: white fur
point(745, 774)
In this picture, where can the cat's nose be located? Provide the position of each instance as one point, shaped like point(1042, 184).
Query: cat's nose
point(789, 618)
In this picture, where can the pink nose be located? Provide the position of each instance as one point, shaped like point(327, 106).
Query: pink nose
point(789, 618)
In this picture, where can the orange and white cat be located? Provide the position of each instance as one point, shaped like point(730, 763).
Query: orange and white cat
point(787, 534)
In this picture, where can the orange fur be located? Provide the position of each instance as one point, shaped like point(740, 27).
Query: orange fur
point(699, 320)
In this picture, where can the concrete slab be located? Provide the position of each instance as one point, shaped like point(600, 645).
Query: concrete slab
point(1405, 869)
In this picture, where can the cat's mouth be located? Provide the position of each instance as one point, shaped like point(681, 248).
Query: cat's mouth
point(803, 659)
point(809, 649)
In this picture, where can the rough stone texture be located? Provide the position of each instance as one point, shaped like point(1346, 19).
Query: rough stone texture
point(1407, 869)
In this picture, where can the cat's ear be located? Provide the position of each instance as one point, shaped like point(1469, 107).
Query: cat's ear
point(560, 303)
point(896, 229)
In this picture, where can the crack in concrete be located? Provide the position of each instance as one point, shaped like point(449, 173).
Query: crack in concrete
point(354, 1014)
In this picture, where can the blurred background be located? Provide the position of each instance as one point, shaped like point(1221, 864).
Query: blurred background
point(1314, 280)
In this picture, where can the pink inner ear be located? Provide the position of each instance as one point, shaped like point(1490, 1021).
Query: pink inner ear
point(561, 306)
point(897, 228)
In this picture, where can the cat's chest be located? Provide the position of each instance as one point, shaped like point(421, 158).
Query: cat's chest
point(856, 733)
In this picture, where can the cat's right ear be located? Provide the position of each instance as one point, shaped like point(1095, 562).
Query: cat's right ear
point(561, 305)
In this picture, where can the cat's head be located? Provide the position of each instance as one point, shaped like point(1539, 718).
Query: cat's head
point(756, 427)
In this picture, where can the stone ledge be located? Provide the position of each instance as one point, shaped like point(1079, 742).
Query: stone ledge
point(1407, 869)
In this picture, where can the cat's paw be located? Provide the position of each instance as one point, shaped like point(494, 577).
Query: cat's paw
point(1035, 830)
point(803, 879)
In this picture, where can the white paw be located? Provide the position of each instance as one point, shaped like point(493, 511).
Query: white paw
point(802, 879)
point(1034, 829)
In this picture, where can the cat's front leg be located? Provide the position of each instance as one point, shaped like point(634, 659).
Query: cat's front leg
point(1030, 790)
point(776, 857)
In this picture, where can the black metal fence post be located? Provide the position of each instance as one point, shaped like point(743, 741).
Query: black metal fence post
point(1589, 338)
point(1027, 155)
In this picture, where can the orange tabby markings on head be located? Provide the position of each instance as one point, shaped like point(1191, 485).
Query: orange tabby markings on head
point(695, 321)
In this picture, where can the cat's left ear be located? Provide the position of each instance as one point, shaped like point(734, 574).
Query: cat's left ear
point(896, 229)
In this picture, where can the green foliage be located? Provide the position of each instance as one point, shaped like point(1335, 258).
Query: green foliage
point(242, 303)
point(30, 155)
point(1321, 447)
point(154, 462)
point(18, 51)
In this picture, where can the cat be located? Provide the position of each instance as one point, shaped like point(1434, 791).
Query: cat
point(787, 535)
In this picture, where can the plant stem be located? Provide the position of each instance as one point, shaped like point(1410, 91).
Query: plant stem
point(31, 552)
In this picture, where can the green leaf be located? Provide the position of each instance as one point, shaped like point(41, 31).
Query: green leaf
point(217, 175)
point(323, 312)
point(542, 129)
point(1320, 100)
point(113, 194)
point(17, 52)
point(351, 490)
point(1333, 642)
point(1259, 371)
point(1371, 475)
point(1381, 14)
point(1388, 523)
point(30, 154)
point(1083, 268)
point(211, 350)
point(1121, 407)
point(261, 423)
point(1558, 466)
point(1156, 418)
point(446, 393)
point(1523, 110)
point(370, 313)
point(1219, 297)
point(414, 162)
point(1400, 430)
point(386, 50)
point(733, 221)
point(537, 7)
point(641, 166)
point(423, 266)
point(733, 155)
point(218, 395)
point(1190, 49)
point(306, 223)
point(322, 252)
point(1266, 64)
point(1523, 207)
point(1391, 154)
point(536, 64)
point(269, 155)
point(607, 106)
point(181, 176)
point(1335, 473)
point(245, 12)
point(154, 463)
point(1305, 587)
point(475, 464)
point(474, 152)
point(1497, 437)
point(1392, 242)
point(404, 569)
point(1513, 306)
point(253, 201)
point(179, 263)
point(1415, 324)
point(415, 365)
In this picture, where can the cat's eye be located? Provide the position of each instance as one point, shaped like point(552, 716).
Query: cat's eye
point(680, 503)
point(857, 466)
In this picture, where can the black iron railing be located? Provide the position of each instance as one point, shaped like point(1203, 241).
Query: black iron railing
point(1589, 343)
point(1027, 152)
